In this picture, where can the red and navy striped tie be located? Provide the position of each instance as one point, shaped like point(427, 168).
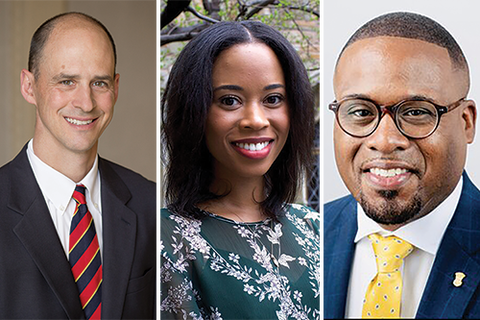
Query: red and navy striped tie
point(84, 256)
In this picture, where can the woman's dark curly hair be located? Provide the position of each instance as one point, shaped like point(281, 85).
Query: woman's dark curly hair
point(185, 104)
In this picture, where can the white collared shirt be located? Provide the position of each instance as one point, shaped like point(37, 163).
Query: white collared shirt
point(57, 190)
point(425, 234)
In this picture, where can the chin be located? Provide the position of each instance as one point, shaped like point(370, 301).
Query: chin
point(387, 209)
point(81, 147)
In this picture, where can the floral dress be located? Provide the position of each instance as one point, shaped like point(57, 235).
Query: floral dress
point(217, 268)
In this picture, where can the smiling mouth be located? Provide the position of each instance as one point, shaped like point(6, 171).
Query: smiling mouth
point(387, 173)
point(253, 146)
point(79, 122)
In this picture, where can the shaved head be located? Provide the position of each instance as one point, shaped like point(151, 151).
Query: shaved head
point(413, 26)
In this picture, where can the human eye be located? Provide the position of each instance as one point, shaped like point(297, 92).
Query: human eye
point(417, 112)
point(67, 82)
point(100, 84)
point(360, 113)
point(230, 101)
point(357, 112)
point(274, 100)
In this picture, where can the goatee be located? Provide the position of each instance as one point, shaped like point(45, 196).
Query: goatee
point(388, 211)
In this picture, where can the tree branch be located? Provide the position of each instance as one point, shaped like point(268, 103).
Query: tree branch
point(200, 16)
point(299, 29)
point(181, 34)
point(256, 9)
point(172, 10)
point(304, 8)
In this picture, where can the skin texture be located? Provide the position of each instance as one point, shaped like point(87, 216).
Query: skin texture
point(388, 70)
point(77, 81)
point(249, 102)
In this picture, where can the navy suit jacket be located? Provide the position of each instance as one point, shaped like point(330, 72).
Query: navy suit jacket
point(459, 251)
point(35, 277)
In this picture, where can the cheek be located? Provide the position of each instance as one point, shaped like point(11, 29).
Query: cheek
point(105, 101)
point(216, 128)
point(282, 123)
point(444, 157)
point(346, 156)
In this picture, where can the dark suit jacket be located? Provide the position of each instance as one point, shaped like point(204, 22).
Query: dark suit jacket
point(35, 277)
point(459, 251)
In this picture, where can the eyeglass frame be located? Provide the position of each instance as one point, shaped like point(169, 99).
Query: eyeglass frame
point(391, 110)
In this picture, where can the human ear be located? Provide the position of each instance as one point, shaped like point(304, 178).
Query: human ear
point(27, 81)
point(469, 115)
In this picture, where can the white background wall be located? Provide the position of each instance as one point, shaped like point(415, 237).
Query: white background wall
point(341, 18)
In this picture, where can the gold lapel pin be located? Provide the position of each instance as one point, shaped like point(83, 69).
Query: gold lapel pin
point(458, 279)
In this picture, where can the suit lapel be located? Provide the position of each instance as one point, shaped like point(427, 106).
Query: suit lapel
point(458, 252)
point(119, 233)
point(340, 230)
point(39, 236)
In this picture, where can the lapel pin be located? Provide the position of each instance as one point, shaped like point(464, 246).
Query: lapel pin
point(458, 279)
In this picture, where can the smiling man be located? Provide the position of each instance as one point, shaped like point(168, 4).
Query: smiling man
point(406, 242)
point(77, 238)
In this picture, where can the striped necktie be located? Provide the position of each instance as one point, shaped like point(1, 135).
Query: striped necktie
point(84, 256)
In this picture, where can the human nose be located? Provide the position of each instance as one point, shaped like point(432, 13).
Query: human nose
point(387, 138)
point(84, 99)
point(254, 117)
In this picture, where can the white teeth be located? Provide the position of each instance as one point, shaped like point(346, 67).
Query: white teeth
point(252, 146)
point(79, 122)
point(387, 173)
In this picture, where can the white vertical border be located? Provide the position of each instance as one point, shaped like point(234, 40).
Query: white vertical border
point(159, 181)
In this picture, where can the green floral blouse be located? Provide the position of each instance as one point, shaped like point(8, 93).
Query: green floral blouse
point(216, 268)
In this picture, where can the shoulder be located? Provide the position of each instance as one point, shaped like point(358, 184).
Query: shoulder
point(302, 211)
point(340, 203)
point(334, 210)
point(20, 162)
point(302, 216)
point(470, 190)
point(172, 223)
point(16, 177)
point(347, 202)
point(128, 176)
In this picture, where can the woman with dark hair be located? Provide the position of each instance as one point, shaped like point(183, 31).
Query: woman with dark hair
point(237, 129)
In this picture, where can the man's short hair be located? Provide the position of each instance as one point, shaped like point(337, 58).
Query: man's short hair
point(411, 26)
point(41, 35)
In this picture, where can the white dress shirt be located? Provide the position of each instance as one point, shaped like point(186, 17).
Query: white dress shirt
point(425, 234)
point(57, 190)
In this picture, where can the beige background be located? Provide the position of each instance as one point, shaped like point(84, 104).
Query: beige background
point(130, 138)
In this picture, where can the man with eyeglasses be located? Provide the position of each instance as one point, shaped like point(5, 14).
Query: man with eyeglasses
point(406, 242)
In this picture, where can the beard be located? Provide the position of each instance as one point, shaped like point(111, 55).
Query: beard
point(388, 211)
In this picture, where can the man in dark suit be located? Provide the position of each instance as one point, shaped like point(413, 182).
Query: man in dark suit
point(403, 123)
point(104, 267)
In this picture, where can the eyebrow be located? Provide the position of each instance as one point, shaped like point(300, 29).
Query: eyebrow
point(228, 87)
point(366, 97)
point(61, 76)
point(238, 88)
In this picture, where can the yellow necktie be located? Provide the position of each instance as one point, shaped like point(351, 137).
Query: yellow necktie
point(384, 292)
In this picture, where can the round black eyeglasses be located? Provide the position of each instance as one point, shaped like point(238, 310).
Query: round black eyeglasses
point(414, 118)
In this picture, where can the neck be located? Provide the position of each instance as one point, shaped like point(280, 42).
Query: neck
point(73, 165)
point(242, 202)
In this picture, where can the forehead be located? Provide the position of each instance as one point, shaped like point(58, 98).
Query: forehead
point(247, 61)
point(389, 69)
point(75, 41)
